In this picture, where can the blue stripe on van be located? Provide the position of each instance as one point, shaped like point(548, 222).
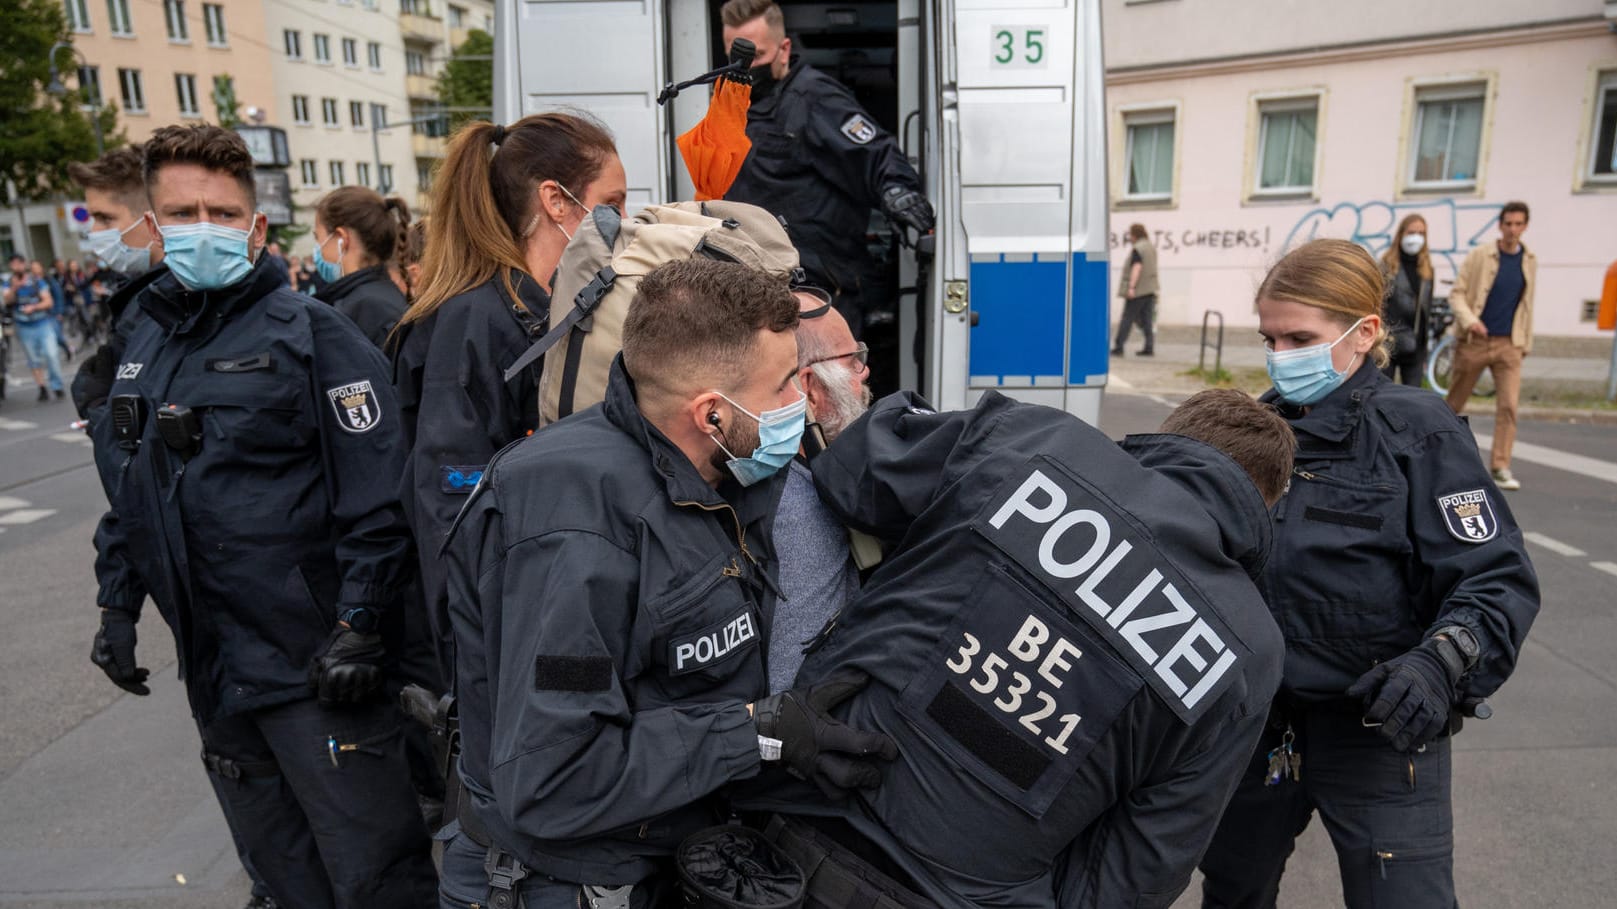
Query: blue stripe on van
point(1091, 306)
point(1021, 317)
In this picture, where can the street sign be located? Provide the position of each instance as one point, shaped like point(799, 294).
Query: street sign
point(274, 196)
point(267, 144)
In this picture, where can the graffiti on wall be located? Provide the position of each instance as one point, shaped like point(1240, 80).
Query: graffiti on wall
point(1173, 241)
point(1452, 227)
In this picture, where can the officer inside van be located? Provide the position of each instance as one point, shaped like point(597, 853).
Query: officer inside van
point(820, 162)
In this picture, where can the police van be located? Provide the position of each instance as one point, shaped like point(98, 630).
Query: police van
point(998, 103)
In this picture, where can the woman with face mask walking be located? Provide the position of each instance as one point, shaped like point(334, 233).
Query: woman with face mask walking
point(356, 233)
point(1403, 589)
point(1407, 267)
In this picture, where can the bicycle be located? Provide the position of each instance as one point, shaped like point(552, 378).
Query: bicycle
point(1442, 344)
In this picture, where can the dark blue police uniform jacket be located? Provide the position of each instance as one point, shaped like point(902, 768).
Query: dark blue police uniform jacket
point(610, 613)
point(1392, 529)
point(1066, 646)
point(286, 513)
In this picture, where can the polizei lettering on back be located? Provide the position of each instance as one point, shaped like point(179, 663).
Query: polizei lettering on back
point(691, 652)
point(1085, 551)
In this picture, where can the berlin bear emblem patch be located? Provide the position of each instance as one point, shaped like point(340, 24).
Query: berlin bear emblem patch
point(859, 129)
point(1469, 516)
point(356, 406)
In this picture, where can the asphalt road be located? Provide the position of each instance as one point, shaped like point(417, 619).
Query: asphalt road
point(103, 801)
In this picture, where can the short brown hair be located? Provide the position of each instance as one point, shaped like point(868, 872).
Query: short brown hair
point(737, 13)
point(1137, 232)
point(1334, 275)
point(119, 173)
point(213, 147)
point(695, 321)
point(1252, 433)
point(381, 224)
point(1515, 205)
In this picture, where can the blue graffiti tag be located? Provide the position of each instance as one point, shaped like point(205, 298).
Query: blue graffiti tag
point(1452, 228)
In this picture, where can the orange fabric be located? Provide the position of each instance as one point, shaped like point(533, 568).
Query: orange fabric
point(714, 148)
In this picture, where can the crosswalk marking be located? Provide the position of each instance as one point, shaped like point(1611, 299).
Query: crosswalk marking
point(73, 438)
point(7, 503)
point(1553, 545)
point(1607, 567)
point(26, 515)
point(10, 424)
point(1593, 468)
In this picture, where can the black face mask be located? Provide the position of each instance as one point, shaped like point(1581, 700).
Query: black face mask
point(763, 81)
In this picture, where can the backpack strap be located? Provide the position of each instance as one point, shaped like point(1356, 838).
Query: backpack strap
point(583, 304)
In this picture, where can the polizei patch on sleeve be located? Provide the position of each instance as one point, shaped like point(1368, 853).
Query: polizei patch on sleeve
point(1469, 515)
point(356, 406)
point(1108, 572)
point(713, 644)
point(859, 129)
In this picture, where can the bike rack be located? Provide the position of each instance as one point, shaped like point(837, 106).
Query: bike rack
point(1218, 346)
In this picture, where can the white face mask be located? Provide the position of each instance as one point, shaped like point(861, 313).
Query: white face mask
point(109, 246)
point(1413, 243)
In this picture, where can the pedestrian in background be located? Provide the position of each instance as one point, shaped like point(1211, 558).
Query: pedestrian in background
point(505, 203)
point(1138, 289)
point(1402, 586)
point(1407, 267)
point(356, 233)
point(31, 303)
point(1493, 329)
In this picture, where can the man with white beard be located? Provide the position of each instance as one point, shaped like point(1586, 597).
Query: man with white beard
point(817, 573)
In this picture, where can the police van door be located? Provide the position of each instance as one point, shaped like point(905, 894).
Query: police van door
point(606, 57)
point(1020, 290)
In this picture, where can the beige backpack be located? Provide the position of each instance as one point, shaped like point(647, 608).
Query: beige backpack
point(601, 271)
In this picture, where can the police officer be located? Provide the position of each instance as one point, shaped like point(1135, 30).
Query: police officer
point(1402, 586)
point(507, 200)
point(612, 585)
point(356, 233)
point(1065, 643)
point(255, 443)
point(821, 163)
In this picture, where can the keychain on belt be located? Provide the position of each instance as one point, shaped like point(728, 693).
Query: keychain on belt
point(1284, 761)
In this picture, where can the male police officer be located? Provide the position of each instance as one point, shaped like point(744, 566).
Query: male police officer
point(820, 162)
point(611, 592)
point(255, 441)
point(1066, 645)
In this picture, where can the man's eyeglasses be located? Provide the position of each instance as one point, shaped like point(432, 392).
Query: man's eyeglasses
point(860, 354)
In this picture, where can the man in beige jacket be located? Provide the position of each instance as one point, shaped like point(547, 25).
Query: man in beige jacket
point(1493, 325)
point(1139, 292)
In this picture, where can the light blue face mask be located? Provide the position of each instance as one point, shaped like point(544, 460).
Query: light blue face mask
point(780, 432)
point(1307, 374)
point(328, 271)
point(206, 256)
point(109, 246)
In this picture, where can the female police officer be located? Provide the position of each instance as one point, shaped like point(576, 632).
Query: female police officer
point(1401, 584)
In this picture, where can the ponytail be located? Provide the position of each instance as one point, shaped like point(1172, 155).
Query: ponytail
point(379, 225)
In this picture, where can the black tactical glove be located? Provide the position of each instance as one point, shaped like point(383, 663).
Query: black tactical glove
point(114, 652)
point(1410, 695)
point(93, 383)
point(907, 208)
point(816, 747)
point(349, 669)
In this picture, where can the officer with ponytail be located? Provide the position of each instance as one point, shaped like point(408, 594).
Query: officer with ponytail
point(356, 236)
point(1403, 589)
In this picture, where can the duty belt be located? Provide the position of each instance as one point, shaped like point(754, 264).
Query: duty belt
point(838, 878)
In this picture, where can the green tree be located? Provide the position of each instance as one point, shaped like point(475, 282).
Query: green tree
point(224, 101)
point(466, 85)
point(41, 135)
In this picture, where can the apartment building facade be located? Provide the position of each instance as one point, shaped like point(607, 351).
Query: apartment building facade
point(1239, 128)
point(433, 30)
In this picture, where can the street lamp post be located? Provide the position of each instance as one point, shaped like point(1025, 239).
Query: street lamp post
point(57, 90)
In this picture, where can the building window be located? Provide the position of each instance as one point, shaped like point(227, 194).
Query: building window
point(185, 88)
point(336, 174)
point(300, 109)
point(1603, 141)
point(328, 112)
point(1148, 155)
point(294, 44)
point(373, 53)
point(78, 14)
point(362, 173)
point(174, 18)
point(90, 84)
point(134, 93)
point(457, 16)
point(1448, 137)
point(350, 51)
point(322, 48)
point(356, 114)
point(423, 175)
point(311, 172)
point(370, 4)
point(384, 176)
point(213, 16)
point(415, 63)
point(1287, 143)
point(415, 7)
point(118, 18)
point(379, 116)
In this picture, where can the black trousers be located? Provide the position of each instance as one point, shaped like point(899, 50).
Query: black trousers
point(318, 835)
point(1411, 367)
point(1389, 816)
point(1141, 311)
